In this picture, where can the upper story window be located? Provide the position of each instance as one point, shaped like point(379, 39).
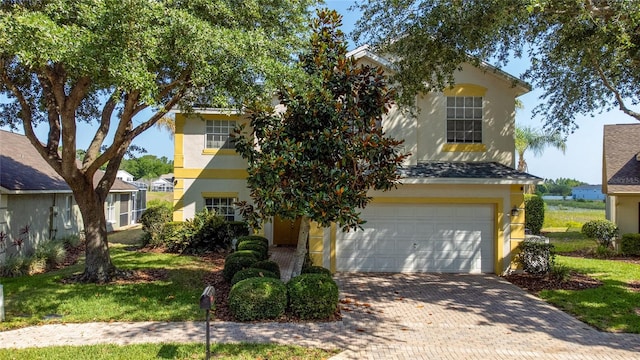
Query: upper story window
point(217, 134)
point(222, 206)
point(464, 119)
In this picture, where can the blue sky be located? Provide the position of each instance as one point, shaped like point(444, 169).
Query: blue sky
point(582, 159)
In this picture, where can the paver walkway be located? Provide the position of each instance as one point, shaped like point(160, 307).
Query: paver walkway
point(390, 316)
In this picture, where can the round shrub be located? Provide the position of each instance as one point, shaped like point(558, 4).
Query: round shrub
point(604, 231)
point(251, 273)
point(533, 213)
point(245, 253)
point(536, 257)
point(234, 264)
point(153, 220)
point(174, 237)
point(312, 296)
point(258, 298)
point(254, 246)
point(630, 244)
point(259, 238)
point(317, 270)
point(268, 265)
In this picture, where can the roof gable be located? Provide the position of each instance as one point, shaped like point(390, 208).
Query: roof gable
point(620, 165)
point(520, 85)
point(23, 169)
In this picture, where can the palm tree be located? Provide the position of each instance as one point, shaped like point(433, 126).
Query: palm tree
point(166, 123)
point(528, 138)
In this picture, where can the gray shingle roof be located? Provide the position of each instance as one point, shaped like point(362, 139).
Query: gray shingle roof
point(465, 170)
point(621, 168)
point(23, 169)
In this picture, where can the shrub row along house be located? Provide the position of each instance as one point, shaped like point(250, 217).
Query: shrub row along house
point(459, 207)
point(36, 204)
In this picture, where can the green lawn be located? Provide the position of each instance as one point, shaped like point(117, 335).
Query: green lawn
point(167, 351)
point(160, 196)
point(40, 299)
point(569, 218)
point(569, 241)
point(610, 307)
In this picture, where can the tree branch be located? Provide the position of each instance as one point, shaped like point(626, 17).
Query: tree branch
point(93, 151)
point(616, 93)
point(53, 116)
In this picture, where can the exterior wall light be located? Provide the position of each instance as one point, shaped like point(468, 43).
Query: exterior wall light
point(515, 211)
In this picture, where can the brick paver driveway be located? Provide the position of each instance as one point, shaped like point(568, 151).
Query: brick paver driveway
point(452, 316)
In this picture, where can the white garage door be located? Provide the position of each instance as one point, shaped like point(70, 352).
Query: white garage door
point(420, 238)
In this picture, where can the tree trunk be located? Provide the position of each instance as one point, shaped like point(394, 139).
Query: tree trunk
point(98, 266)
point(301, 249)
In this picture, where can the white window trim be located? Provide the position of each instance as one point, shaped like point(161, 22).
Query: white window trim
point(225, 129)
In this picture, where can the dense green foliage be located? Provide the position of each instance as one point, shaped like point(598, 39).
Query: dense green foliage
point(123, 66)
point(251, 273)
point(256, 246)
point(630, 244)
point(558, 187)
point(268, 265)
point(312, 296)
point(147, 166)
point(320, 156)
point(603, 231)
point(536, 257)
point(533, 213)
point(205, 232)
point(234, 263)
point(258, 298)
point(585, 55)
point(153, 221)
point(316, 270)
point(258, 238)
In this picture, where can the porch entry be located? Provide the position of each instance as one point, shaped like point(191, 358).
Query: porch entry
point(285, 232)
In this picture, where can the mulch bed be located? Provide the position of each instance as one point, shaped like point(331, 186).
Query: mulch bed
point(535, 283)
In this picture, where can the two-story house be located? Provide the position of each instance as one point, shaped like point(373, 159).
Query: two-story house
point(459, 207)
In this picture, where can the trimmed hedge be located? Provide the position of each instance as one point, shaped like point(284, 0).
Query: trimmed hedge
point(630, 244)
point(312, 296)
point(233, 264)
point(268, 265)
point(317, 270)
point(256, 246)
point(604, 231)
point(258, 298)
point(244, 253)
point(251, 273)
point(533, 213)
point(259, 238)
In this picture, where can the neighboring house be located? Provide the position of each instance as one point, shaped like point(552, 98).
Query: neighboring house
point(621, 175)
point(460, 205)
point(34, 197)
point(588, 192)
point(124, 176)
point(163, 183)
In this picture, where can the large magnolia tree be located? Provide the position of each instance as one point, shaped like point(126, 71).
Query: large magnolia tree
point(106, 61)
point(585, 54)
point(317, 158)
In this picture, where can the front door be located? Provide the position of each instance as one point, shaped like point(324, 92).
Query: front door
point(285, 232)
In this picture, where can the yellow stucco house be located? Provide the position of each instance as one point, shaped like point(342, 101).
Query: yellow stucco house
point(459, 207)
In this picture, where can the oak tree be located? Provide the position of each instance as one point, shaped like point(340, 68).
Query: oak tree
point(585, 54)
point(316, 157)
point(107, 61)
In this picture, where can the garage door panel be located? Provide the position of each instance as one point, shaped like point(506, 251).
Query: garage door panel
point(420, 238)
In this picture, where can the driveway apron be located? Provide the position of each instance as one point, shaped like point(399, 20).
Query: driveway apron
point(460, 316)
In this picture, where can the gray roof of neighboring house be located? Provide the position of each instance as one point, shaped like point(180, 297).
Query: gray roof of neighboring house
point(620, 167)
point(465, 170)
point(23, 169)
